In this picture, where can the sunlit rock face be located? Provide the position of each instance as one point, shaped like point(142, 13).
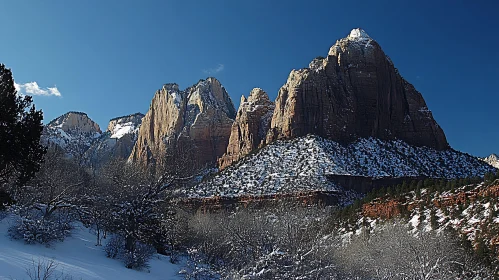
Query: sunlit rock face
point(250, 127)
point(197, 119)
point(354, 92)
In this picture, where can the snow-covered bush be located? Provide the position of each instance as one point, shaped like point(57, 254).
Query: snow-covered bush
point(137, 258)
point(196, 268)
point(33, 228)
point(280, 243)
point(392, 251)
point(115, 246)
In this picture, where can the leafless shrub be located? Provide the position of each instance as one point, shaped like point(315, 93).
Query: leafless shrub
point(46, 269)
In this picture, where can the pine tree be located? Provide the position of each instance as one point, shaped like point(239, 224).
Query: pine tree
point(20, 129)
point(433, 219)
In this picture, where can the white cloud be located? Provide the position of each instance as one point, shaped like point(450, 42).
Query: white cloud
point(34, 89)
point(218, 69)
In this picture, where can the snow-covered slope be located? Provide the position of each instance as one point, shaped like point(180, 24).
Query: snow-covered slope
point(77, 256)
point(305, 163)
point(493, 160)
point(74, 132)
point(116, 142)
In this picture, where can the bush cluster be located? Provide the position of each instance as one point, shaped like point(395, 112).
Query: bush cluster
point(137, 258)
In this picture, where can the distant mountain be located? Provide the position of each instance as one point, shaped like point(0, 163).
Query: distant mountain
point(493, 160)
point(74, 132)
point(81, 138)
point(116, 142)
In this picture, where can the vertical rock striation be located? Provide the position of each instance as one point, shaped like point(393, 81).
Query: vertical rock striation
point(197, 119)
point(250, 127)
point(353, 92)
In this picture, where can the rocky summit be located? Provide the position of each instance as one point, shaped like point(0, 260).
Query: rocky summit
point(493, 160)
point(354, 92)
point(74, 132)
point(82, 139)
point(196, 120)
point(250, 127)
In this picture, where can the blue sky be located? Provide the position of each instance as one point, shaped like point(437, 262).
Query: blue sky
point(107, 58)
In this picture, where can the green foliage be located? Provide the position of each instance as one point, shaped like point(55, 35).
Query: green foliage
point(21, 126)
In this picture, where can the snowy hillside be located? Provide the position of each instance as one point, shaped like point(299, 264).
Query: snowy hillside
point(470, 210)
point(77, 256)
point(304, 164)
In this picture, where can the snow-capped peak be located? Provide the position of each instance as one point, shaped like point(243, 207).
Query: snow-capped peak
point(493, 160)
point(358, 34)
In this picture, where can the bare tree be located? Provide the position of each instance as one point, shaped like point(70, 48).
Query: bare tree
point(56, 186)
point(393, 252)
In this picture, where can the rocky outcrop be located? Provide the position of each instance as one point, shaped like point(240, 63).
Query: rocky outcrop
point(197, 119)
point(117, 142)
point(72, 121)
point(250, 127)
point(493, 160)
point(74, 132)
point(354, 92)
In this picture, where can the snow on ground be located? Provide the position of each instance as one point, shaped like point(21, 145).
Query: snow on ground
point(306, 163)
point(76, 256)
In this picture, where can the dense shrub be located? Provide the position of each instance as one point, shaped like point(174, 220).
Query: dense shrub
point(114, 247)
point(137, 258)
point(35, 228)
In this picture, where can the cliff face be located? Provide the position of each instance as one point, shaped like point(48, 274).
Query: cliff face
point(197, 120)
point(250, 127)
point(354, 92)
point(117, 142)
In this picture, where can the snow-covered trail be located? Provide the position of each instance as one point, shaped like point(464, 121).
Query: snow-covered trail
point(76, 256)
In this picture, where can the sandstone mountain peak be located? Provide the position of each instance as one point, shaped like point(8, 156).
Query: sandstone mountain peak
point(198, 118)
point(257, 94)
point(75, 120)
point(250, 127)
point(354, 92)
point(171, 86)
point(121, 126)
point(74, 132)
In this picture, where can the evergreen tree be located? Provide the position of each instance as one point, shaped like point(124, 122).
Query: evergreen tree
point(20, 129)
point(433, 219)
